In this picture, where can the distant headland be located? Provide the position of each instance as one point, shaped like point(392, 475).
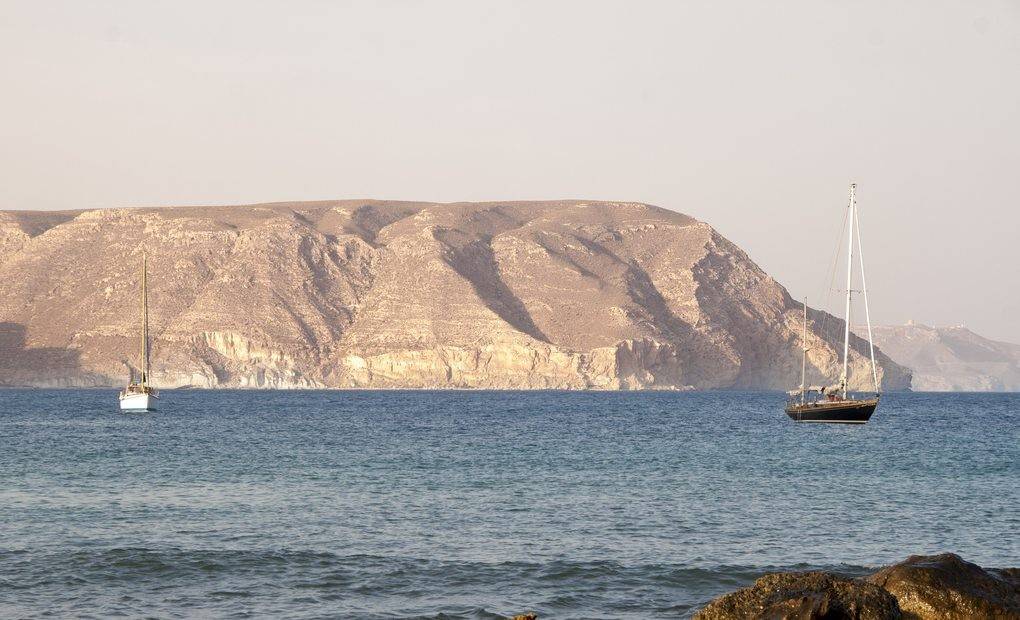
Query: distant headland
point(378, 294)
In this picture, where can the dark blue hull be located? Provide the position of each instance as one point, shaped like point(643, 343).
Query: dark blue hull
point(834, 412)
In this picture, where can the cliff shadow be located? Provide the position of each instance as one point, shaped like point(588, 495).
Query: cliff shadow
point(475, 261)
point(24, 365)
point(690, 342)
point(645, 294)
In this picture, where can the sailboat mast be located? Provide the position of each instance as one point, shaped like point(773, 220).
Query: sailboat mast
point(803, 361)
point(867, 310)
point(145, 322)
point(849, 286)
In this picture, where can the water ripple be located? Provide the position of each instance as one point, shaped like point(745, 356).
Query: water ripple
point(478, 504)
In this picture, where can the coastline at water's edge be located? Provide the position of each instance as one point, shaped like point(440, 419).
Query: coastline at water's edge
point(601, 390)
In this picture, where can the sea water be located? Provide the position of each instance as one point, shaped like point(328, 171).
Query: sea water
point(457, 504)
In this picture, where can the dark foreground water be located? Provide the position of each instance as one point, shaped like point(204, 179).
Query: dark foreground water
point(475, 504)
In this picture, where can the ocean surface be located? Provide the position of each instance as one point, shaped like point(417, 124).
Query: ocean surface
point(400, 504)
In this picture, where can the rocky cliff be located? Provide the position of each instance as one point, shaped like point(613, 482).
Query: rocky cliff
point(952, 358)
point(366, 293)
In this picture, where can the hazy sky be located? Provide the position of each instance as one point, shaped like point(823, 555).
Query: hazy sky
point(751, 116)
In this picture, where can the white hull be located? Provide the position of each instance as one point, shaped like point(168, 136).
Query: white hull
point(139, 396)
point(138, 402)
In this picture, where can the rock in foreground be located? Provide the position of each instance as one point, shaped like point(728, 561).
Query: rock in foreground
point(936, 587)
point(805, 596)
point(945, 587)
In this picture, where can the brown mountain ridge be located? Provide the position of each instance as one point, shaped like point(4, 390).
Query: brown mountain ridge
point(380, 294)
point(952, 359)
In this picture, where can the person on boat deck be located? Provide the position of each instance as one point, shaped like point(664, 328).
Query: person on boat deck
point(829, 397)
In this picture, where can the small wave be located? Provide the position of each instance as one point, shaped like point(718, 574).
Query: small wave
point(272, 581)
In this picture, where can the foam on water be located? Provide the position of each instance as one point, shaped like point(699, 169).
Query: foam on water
point(475, 504)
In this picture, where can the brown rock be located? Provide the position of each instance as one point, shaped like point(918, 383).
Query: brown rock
point(804, 596)
point(564, 294)
point(945, 587)
point(527, 616)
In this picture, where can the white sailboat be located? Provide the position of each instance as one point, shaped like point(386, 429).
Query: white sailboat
point(139, 395)
point(836, 404)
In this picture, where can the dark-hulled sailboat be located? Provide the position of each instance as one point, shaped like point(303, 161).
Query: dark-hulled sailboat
point(835, 404)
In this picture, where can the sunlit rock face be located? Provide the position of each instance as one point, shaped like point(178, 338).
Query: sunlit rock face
point(566, 294)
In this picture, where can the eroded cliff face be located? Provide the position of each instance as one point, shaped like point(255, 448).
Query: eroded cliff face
point(562, 294)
